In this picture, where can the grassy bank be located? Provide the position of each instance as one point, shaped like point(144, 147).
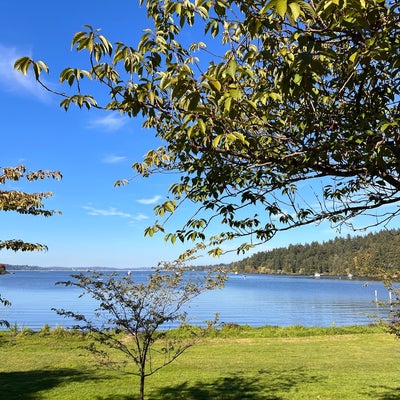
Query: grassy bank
point(234, 363)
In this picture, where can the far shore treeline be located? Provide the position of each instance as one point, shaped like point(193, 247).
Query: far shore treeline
point(367, 255)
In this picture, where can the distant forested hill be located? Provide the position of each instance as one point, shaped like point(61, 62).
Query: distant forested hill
point(360, 255)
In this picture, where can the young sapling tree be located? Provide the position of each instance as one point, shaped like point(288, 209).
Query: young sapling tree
point(134, 317)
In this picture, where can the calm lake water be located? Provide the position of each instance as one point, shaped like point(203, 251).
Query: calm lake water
point(255, 300)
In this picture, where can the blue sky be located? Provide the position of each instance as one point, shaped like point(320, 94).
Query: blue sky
point(100, 225)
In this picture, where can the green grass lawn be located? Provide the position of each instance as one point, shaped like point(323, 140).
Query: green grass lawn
point(238, 363)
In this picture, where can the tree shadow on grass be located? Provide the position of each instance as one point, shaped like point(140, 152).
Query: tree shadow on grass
point(389, 393)
point(27, 384)
point(115, 397)
point(266, 385)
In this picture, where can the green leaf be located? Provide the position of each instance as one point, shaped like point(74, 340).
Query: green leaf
point(22, 64)
point(235, 93)
point(228, 104)
point(169, 206)
point(217, 140)
point(202, 126)
point(150, 96)
point(297, 79)
point(353, 57)
point(295, 10)
point(164, 81)
point(106, 45)
point(241, 137)
point(231, 68)
point(215, 252)
point(214, 84)
point(281, 7)
point(121, 182)
point(275, 96)
point(149, 232)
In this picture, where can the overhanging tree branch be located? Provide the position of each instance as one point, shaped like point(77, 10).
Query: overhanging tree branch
point(274, 97)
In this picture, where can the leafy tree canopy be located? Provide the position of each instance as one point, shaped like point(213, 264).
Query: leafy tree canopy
point(23, 202)
point(276, 96)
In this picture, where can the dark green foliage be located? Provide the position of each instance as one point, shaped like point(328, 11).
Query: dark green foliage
point(368, 255)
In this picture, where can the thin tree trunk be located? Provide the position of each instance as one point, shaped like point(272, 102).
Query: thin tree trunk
point(141, 394)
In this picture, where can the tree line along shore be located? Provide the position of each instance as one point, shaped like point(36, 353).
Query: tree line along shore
point(374, 254)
